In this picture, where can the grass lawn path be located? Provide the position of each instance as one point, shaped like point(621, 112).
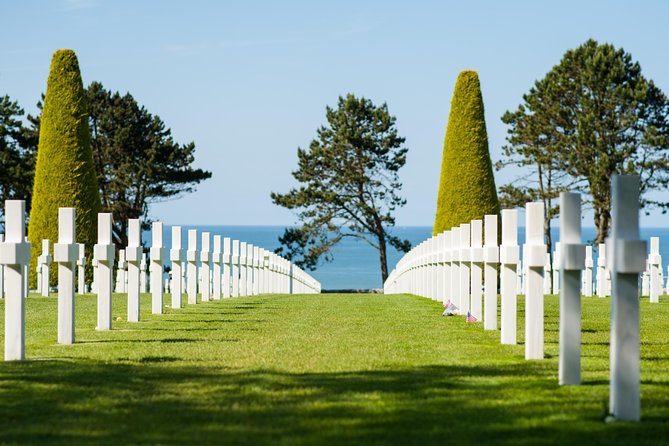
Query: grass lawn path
point(318, 370)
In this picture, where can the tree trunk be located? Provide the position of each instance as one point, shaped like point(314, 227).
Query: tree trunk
point(383, 256)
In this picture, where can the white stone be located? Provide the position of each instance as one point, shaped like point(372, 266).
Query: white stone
point(205, 266)
point(587, 276)
point(234, 271)
point(534, 257)
point(491, 258)
point(216, 259)
point(655, 262)
point(626, 260)
point(476, 272)
point(103, 255)
point(120, 272)
point(81, 269)
point(509, 255)
point(133, 254)
point(448, 290)
point(44, 261)
point(191, 271)
point(256, 270)
point(600, 289)
point(143, 285)
point(242, 268)
point(14, 255)
point(557, 254)
point(65, 253)
point(572, 262)
point(465, 262)
point(455, 267)
point(227, 264)
point(157, 258)
point(176, 257)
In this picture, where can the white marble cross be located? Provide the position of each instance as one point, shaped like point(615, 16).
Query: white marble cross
point(509, 254)
point(534, 257)
point(491, 259)
point(103, 255)
point(65, 254)
point(14, 255)
point(176, 257)
point(191, 271)
point(205, 266)
point(476, 274)
point(157, 257)
point(216, 259)
point(133, 254)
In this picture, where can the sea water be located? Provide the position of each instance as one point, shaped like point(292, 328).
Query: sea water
point(356, 264)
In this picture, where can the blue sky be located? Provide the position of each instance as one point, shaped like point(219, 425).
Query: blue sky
point(249, 81)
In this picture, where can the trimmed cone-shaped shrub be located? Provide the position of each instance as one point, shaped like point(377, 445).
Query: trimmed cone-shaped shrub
point(64, 174)
point(467, 185)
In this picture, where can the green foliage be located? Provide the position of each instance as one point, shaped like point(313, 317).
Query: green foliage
point(17, 155)
point(319, 370)
point(136, 160)
point(349, 185)
point(64, 173)
point(592, 116)
point(467, 185)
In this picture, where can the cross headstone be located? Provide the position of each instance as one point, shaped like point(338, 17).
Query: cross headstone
point(548, 274)
point(465, 262)
point(249, 269)
point(216, 259)
point(587, 276)
point(601, 271)
point(45, 262)
point(534, 257)
point(446, 280)
point(157, 257)
point(476, 272)
point(627, 254)
point(242, 268)
point(120, 272)
point(557, 258)
point(227, 263)
point(205, 266)
point(103, 255)
point(234, 271)
point(133, 255)
point(455, 267)
point(572, 262)
point(2, 272)
point(256, 270)
point(65, 253)
point(176, 257)
point(655, 262)
point(14, 256)
point(191, 269)
point(81, 269)
point(491, 259)
point(509, 254)
point(143, 286)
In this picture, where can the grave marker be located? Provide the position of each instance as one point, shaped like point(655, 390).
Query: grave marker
point(45, 262)
point(157, 257)
point(81, 269)
point(227, 264)
point(65, 254)
point(191, 271)
point(235, 268)
point(509, 255)
point(627, 254)
point(491, 259)
point(103, 255)
point(133, 255)
point(572, 257)
point(534, 257)
point(14, 256)
point(205, 266)
point(655, 262)
point(176, 256)
point(216, 258)
point(476, 272)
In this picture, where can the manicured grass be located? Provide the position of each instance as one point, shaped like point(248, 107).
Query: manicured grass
point(314, 370)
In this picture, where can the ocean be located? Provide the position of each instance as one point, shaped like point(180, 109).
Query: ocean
point(356, 264)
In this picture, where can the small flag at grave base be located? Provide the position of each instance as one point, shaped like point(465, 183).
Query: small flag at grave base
point(471, 318)
point(451, 310)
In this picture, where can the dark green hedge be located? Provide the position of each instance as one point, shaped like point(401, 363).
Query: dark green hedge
point(467, 185)
point(64, 174)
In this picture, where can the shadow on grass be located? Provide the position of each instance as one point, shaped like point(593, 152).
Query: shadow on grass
point(156, 400)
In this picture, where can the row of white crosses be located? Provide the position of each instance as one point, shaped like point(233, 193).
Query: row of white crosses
point(273, 275)
point(447, 267)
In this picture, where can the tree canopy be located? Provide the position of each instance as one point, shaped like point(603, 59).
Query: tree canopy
point(349, 185)
point(592, 116)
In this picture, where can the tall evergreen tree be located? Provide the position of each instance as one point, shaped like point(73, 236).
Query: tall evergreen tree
point(467, 185)
point(596, 115)
point(64, 173)
point(349, 185)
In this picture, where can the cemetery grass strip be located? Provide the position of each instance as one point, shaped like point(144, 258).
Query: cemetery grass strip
point(318, 370)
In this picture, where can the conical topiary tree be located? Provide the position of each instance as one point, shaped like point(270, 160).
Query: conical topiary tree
point(467, 185)
point(64, 174)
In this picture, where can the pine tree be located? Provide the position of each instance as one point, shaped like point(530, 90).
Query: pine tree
point(64, 173)
point(467, 185)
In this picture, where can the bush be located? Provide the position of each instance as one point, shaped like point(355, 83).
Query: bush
point(467, 185)
point(64, 173)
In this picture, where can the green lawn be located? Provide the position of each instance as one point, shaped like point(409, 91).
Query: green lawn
point(314, 370)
